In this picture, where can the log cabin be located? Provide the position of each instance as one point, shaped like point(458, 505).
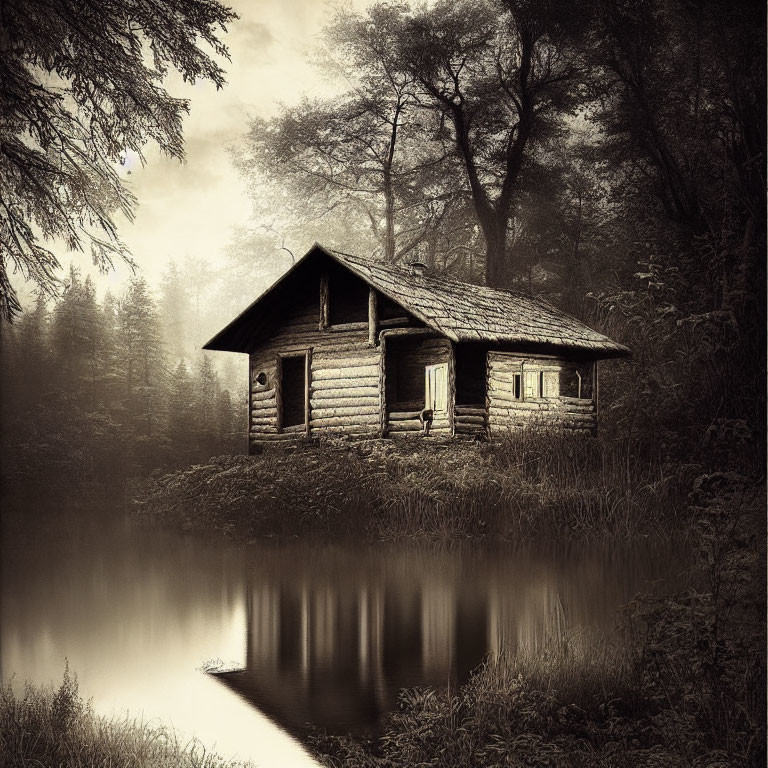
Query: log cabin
point(344, 345)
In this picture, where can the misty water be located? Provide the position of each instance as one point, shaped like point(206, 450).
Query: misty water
point(296, 632)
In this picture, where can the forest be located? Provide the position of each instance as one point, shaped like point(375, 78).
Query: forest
point(95, 392)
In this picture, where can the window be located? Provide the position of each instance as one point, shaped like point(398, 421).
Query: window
point(526, 379)
point(345, 297)
point(550, 383)
point(436, 387)
point(293, 382)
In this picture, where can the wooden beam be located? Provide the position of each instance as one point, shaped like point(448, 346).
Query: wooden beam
point(404, 415)
point(488, 391)
point(373, 317)
point(347, 327)
point(353, 370)
point(394, 322)
point(340, 421)
point(390, 332)
point(336, 390)
point(279, 392)
point(452, 388)
point(368, 401)
point(324, 303)
point(363, 383)
point(383, 385)
point(307, 389)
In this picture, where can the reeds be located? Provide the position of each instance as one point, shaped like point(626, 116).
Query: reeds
point(681, 683)
point(55, 727)
point(572, 705)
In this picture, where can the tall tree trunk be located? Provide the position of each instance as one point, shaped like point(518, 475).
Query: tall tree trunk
point(389, 194)
point(389, 216)
point(495, 233)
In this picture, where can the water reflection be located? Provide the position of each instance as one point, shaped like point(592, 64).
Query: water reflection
point(135, 613)
point(332, 635)
point(316, 634)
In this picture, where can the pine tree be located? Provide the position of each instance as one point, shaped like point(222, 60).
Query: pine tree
point(175, 311)
point(206, 391)
point(140, 357)
point(181, 414)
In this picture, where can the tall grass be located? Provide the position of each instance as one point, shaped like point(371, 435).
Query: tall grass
point(531, 485)
point(56, 728)
point(682, 683)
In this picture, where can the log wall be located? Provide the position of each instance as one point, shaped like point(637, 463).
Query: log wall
point(407, 359)
point(347, 382)
point(471, 420)
point(552, 409)
point(343, 388)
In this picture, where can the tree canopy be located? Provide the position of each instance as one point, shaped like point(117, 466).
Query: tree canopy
point(82, 85)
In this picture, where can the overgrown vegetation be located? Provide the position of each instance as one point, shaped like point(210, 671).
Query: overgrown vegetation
point(534, 484)
point(55, 727)
point(684, 685)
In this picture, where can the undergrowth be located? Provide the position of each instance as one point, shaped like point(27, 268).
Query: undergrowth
point(531, 485)
point(683, 685)
point(56, 728)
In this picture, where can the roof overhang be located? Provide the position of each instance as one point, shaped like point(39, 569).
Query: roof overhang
point(240, 335)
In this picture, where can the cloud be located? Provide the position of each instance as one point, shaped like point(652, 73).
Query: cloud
point(252, 39)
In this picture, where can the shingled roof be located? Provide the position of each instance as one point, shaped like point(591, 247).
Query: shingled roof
point(466, 312)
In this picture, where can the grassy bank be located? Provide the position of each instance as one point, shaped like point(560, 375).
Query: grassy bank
point(55, 727)
point(683, 683)
point(535, 485)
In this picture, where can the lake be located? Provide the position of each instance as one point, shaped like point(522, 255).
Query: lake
point(295, 632)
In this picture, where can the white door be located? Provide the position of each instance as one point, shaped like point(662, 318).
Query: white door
point(436, 387)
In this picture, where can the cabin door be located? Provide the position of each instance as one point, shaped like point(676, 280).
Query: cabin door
point(293, 391)
point(436, 388)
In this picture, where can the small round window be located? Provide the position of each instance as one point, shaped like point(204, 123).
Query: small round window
point(261, 378)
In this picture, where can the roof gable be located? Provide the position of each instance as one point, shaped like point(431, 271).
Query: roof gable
point(460, 311)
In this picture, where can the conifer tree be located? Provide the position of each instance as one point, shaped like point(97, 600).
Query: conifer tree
point(175, 311)
point(140, 357)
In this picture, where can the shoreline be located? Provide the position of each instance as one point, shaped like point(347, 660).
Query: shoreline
point(537, 487)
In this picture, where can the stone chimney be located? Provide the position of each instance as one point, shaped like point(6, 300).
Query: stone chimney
point(418, 268)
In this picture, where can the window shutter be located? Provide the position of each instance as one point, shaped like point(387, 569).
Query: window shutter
point(551, 384)
point(531, 383)
point(436, 387)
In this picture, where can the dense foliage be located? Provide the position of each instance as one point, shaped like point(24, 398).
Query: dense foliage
point(82, 87)
point(534, 485)
point(609, 156)
point(98, 391)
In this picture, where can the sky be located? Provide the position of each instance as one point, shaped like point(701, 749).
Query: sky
point(188, 209)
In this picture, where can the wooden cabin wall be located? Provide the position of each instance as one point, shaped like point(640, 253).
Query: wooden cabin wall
point(407, 359)
point(553, 409)
point(344, 390)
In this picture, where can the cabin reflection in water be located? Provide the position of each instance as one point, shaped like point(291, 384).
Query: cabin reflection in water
point(336, 654)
